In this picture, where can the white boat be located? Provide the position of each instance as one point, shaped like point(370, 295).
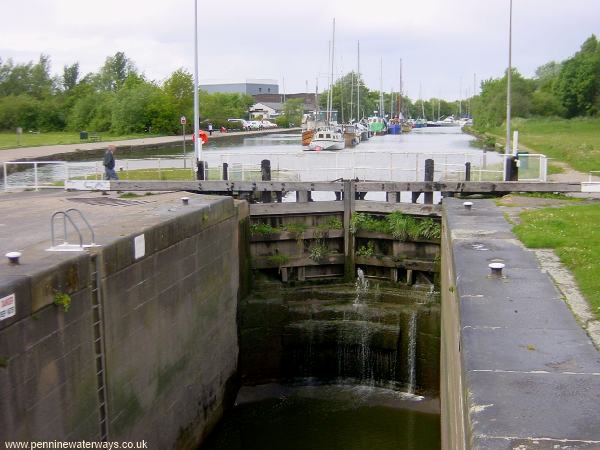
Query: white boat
point(327, 138)
point(448, 122)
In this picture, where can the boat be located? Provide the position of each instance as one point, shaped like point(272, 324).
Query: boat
point(327, 139)
point(363, 128)
point(448, 122)
point(351, 135)
point(330, 136)
point(377, 126)
point(420, 123)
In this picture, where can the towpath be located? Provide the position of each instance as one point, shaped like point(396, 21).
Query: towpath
point(25, 153)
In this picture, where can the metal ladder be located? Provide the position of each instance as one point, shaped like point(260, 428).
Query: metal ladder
point(67, 219)
point(99, 349)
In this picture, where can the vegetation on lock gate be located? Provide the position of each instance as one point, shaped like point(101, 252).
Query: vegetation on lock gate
point(401, 226)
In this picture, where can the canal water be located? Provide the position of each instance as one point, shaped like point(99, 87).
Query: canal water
point(327, 417)
point(391, 158)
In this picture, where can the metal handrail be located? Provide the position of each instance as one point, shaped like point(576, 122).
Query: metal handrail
point(85, 221)
point(65, 217)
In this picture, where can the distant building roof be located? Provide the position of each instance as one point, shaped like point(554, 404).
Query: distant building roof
point(213, 81)
point(308, 99)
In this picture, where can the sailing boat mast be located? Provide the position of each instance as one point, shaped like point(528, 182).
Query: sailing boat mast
point(351, 95)
point(332, 63)
point(400, 93)
point(381, 105)
point(358, 84)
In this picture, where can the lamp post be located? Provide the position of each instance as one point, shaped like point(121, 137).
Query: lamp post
point(197, 141)
point(508, 97)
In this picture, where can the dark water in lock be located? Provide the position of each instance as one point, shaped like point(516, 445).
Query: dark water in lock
point(327, 417)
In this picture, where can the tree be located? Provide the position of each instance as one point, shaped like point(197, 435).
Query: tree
point(114, 72)
point(489, 108)
point(179, 92)
point(70, 76)
point(578, 84)
point(41, 84)
point(345, 98)
point(292, 111)
point(219, 107)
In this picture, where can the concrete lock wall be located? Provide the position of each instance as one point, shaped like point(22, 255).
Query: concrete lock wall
point(168, 343)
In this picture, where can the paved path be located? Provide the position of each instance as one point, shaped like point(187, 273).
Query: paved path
point(530, 373)
point(48, 150)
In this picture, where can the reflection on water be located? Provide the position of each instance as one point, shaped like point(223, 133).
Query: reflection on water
point(390, 158)
point(327, 417)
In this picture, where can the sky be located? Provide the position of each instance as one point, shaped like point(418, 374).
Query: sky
point(446, 47)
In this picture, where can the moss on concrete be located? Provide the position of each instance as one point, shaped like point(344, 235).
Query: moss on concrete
point(126, 407)
point(166, 374)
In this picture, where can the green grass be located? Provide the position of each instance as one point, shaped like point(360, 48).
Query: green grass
point(575, 141)
point(550, 195)
point(8, 140)
point(573, 233)
point(163, 174)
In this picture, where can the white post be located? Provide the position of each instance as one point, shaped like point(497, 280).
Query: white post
point(508, 93)
point(544, 168)
point(35, 176)
point(515, 142)
point(183, 135)
point(197, 141)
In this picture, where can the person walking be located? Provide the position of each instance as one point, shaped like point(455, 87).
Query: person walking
point(109, 163)
point(210, 129)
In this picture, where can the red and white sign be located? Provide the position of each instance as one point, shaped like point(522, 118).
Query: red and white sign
point(8, 307)
point(183, 120)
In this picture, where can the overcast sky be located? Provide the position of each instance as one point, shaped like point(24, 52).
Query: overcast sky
point(442, 43)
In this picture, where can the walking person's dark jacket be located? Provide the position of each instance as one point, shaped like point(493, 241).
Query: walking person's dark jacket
point(109, 160)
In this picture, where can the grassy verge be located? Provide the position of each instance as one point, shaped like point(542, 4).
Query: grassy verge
point(575, 142)
point(167, 174)
point(573, 233)
point(9, 139)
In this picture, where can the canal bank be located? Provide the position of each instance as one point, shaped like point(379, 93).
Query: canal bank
point(68, 151)
point(518, 371)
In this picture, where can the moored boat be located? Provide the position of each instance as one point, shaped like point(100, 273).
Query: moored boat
point(327, 138)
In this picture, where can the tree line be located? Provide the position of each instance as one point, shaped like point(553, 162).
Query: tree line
point(117, 99)
point(353, 100)
point(567, 89)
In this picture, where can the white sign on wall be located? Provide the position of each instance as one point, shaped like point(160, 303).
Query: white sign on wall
point(139, 245)
point(8, 307)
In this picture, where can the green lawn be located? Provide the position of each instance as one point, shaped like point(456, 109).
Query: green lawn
point(574, 234)
point(575, 141)
point(9, 139)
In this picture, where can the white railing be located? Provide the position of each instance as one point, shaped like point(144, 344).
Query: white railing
point(43, 174)
point(591, 176)
point(304, 166)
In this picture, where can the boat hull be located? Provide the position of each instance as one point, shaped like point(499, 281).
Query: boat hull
point(325, 145)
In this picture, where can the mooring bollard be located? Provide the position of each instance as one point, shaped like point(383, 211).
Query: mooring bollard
point(200, 172)
point(265, 169)
point(468, 205)
point(225, 171)
point(496, 269)
point(13, 257)
point(429, 172)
